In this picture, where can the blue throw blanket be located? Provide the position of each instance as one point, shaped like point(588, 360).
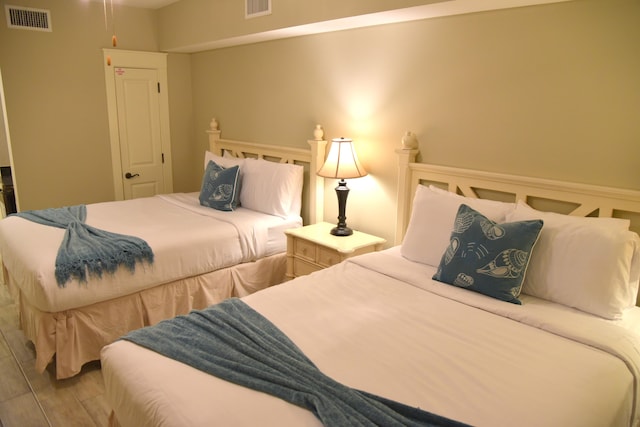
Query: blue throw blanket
point(234, 342)
point(88, 249)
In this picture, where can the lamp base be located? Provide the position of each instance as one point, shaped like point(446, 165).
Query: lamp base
point(342, 191)
point(341, 231)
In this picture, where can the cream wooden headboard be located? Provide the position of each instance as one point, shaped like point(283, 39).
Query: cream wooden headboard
point(311, 159)
point(543, 194)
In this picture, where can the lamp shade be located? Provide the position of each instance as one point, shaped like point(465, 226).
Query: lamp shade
point(342, 161)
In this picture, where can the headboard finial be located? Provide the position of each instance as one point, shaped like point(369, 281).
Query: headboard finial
point(409, 141)
point(318, 133)
point(213, 124)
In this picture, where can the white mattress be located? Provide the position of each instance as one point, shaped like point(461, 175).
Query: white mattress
point(379, 323)
point(187, 240)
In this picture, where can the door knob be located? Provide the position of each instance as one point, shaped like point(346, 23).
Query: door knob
point(129, 176)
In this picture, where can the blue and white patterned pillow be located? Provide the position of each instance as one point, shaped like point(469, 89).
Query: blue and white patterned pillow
point(220, 187)
point(488, 257)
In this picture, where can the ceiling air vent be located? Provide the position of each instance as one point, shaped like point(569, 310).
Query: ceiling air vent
point(254, 8)
point(28, 18)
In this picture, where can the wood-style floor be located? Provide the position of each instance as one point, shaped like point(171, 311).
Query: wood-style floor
point(30, 399)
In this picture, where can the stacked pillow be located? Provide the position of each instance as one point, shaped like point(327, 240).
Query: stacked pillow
point(587, 263)
point(226, 161)
point(591, 264)
point(272, 188)
point(268, 187)
point(432, 217)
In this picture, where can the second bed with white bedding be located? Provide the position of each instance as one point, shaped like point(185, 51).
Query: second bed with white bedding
point(379, 323)
point(560, 346)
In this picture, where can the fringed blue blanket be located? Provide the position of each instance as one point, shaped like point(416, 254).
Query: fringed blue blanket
point(86, 249)
point(232, 341)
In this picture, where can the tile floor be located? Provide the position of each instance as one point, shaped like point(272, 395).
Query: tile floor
point(30, 399)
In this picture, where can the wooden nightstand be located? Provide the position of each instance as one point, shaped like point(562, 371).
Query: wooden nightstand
point(313, 248)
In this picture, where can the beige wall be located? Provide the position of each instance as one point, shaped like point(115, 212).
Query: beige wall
point(549, 91)
point(56, 101)
point(185, 150)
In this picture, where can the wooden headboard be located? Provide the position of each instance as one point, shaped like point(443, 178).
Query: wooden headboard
point(311, 159)
point(542, 194)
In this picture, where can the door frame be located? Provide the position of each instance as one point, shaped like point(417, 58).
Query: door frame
point(4, 121)
point(137, 59)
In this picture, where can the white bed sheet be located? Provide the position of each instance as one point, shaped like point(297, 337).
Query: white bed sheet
point(187, 240)
point(405, 337)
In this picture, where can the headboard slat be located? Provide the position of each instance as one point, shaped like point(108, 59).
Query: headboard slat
point(309, 158)
point(587, 199)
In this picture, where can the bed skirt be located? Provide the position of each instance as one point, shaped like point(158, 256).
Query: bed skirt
point(76, 336)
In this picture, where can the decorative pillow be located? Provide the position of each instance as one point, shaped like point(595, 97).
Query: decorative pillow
point(226, 162)
point(488, 257)
point(592, 264)
point(220, 187)
point(432, 216)
point(272, 188)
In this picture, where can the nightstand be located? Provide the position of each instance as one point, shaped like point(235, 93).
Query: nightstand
point(312, 248)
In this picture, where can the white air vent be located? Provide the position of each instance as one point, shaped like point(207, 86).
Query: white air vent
point(255, 8)
point(28, 18)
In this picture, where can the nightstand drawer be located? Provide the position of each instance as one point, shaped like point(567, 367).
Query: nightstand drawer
point(301, 267)
point(327, 257)
point(305, 249)
point(313, 247)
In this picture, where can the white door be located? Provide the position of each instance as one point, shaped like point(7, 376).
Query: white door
point(137, 95)
point(138, 106)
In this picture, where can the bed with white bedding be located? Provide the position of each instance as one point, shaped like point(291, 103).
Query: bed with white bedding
point(566, 353)
point(201, 256)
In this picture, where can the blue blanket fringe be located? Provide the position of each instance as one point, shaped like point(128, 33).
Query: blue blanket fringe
point(86, 250)
point(232, 341)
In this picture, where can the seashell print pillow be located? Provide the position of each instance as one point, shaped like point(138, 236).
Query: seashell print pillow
point(488, 257)
point(220, 187)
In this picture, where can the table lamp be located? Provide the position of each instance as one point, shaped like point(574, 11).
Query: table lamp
point(342, 162)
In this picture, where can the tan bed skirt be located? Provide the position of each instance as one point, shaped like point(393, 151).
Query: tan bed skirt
point(76, 336)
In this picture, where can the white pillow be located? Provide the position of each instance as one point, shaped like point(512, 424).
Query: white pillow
point(591, 264)
point(272, 188)
point(226, 162)
point(434, 211)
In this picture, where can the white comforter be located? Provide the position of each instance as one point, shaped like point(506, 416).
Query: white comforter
point(187, 240)
point(379, 323)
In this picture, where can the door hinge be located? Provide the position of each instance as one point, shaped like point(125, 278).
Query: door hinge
point(162, 157)
point(158, 87)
